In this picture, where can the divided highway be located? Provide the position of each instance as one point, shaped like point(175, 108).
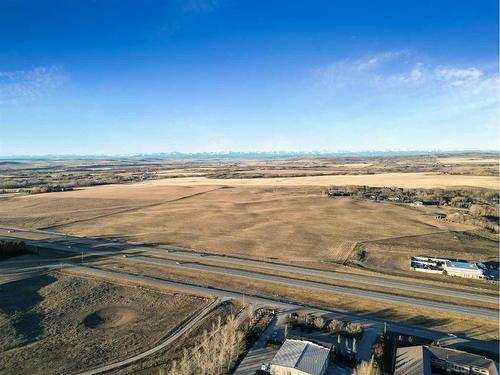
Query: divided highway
point(378, 296)
point(368, 280)
point(92, 244)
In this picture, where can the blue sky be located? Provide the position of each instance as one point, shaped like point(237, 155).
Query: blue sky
point(119, 77)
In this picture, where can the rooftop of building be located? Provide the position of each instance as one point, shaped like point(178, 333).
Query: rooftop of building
point(416, 360)
point(461, 265)
point(302, 355)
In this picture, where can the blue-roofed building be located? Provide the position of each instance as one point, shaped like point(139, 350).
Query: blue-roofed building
point(462, 269)
point(300, 357)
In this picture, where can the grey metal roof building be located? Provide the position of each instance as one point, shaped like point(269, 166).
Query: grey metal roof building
point(429, 360)
point(300, 357)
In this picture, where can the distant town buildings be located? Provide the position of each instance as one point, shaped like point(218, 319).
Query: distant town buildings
point(430, 360)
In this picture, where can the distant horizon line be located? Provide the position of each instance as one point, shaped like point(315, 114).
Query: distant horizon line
point(242, 154)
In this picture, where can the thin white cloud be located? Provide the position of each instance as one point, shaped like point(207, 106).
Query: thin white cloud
point(28, 84)
point(365, 70)
point(403, 73)
point(451, 73)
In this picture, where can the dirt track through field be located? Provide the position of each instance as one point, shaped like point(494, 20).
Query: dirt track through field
point(342, 251)
point(403, 237)
point(132, 209)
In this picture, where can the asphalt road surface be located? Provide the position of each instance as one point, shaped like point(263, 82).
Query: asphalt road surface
point(360, 279)
point(377, 296)
point(330, 275)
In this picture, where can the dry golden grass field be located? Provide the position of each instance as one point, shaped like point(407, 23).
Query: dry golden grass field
point(287, 224)
point(61, 323)
point(286, 219)
point(404, 180)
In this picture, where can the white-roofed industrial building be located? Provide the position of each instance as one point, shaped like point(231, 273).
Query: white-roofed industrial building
point(462, 269)
point(300, 357)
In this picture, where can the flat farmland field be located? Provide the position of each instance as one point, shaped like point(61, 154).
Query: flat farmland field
point(61, 324)
point(282, 223)
point(404, 180)
point(45, 210)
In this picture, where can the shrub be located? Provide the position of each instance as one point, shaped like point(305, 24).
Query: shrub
point(353, 329)
point(366, 368)
point(336, 326)
point(319, 322)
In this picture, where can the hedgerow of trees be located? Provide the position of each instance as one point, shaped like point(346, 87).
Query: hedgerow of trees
point(334, 326)
point(12, 248)
point(216, 354)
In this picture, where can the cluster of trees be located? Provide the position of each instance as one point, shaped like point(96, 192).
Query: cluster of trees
point(44, 182)
point(216, 354)
point(48, 189)
point(452, 197)
point(349, 329)
point(334, 326)
point(12, 248)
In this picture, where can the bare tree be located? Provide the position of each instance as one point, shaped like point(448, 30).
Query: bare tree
point(216, 352)
point(366, 368)
point(354, 328)
point(319, 322)
point(336, 326)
